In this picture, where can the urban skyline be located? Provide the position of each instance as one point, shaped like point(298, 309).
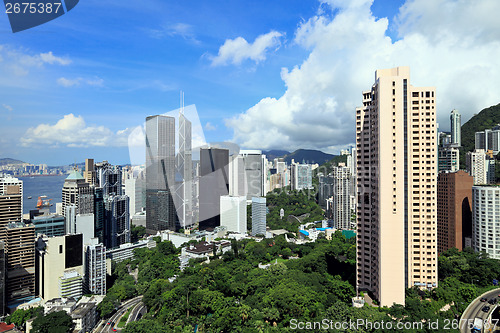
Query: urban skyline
point(56, 86)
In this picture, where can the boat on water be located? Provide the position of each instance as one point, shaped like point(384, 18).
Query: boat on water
point(30, 197)
point(43, 202)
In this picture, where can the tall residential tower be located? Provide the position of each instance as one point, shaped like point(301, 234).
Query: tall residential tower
point(396, 144)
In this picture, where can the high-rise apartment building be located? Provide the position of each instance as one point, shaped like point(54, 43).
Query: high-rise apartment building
point(10, 206)
point(95, 268)
point(233, 213)
point(448, 158)
point(300, 176)
point(11, 185)
point(397, 173)
point(480, 166)
point(259, 211)
point(341, 213)
point(19, 239)
point(160, 173)
point(454, 200)
point(214, 183)
point(3, 274)
point(456, 128)
point(486, 219)
point(489, 139)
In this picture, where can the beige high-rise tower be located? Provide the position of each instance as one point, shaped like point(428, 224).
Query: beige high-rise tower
point(397, 178)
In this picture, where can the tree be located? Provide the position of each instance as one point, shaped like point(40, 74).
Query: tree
point(54, 322)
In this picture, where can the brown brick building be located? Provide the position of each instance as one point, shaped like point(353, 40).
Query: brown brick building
point(454, 216)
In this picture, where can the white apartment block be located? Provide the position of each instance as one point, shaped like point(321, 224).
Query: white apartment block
point(481, 167)
point(486, 220)
point(397, 179)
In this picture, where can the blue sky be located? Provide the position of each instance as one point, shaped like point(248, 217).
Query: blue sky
point(270, 74)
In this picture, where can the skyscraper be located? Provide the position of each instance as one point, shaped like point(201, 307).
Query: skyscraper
point(77, 192)
point(455, 128)
point(259, 216)
point(454, 202)
point(185, 169)
point(396, 144)
point(95, 268)
point(253, 172)
point(214, 183)
point(160, 173)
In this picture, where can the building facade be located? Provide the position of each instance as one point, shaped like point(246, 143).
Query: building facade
point(214, 183)
point(259, 211)
point(397, 173)
point(233, 213)
point(95, 268)
point(486, 220)
point(160, 173)
point(456, 127)
point(481, 166)
point(448, 159)
point(454, 216)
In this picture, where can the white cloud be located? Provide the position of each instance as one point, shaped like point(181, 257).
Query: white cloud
point(72, 131)
point(210, 127)
point(7, 107)
point(52, 59)
point(62, 81)
point(453, 45)
point(183, 30)
point(237, 50)
point(17, 62)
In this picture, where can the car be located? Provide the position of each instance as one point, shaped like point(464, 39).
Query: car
point(485, 309)
point(114, 329)
point(483, 299)
point(493, 301)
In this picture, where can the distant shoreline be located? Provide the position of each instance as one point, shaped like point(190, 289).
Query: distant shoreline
point(42, 175)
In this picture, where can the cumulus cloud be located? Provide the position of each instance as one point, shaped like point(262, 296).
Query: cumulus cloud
point(455, 50)
point(237, 50)
point(62, 81)
point(72, 131)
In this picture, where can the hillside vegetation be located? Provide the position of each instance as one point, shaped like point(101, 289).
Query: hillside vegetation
point(485, 119)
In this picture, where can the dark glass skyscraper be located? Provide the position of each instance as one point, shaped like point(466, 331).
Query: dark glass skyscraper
point(160, 173)
point(214, 183)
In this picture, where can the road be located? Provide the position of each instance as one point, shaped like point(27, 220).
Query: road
point(475, 311)
point(103, 327)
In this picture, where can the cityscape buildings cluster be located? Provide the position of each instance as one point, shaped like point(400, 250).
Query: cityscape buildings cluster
point(400, 190)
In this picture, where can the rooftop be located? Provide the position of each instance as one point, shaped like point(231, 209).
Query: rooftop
point(75, 175)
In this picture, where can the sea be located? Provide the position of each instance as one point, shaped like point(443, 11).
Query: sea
point(36, 186)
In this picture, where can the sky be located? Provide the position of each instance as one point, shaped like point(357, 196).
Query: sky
point(282, 74)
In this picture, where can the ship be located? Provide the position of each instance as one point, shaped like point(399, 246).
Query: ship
point(43, 202)
point(30, 197)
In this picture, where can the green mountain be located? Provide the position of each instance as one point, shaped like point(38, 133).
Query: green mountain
point(485, 119)
point(309, 156)
point(5, 161)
